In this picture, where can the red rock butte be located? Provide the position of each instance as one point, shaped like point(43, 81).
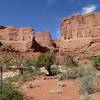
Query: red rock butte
point(80, 33)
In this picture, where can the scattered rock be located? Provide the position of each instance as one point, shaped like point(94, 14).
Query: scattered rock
point(62, 84)
point(55, 92)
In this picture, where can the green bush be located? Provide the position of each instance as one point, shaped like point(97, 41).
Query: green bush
point(46, 60)
point(37, 71)
point(96, 62)
point(55, 70)
point(13, 79)
point(88, 84)
point(87, 70)
point(10, 92)
point(62, 76)
point(29, 69)
point(72, 73)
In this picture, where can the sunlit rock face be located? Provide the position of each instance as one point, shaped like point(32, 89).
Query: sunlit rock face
point(24, 39)
point(19, 38)
point(44, 39)
point(81, 33)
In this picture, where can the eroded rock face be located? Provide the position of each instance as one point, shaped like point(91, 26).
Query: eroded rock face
point(81, 33)
point(44, 39)
point(21, 38)
point(24, 39)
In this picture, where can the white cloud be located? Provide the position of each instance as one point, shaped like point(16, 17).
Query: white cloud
point(89, 9)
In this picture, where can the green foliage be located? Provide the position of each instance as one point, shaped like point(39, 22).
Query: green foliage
point(62, 76)
point(55, 70)
point(72, 73)
point(29, 70)
point(96, 62)
point(87, 70)
point(88, 84)
point(13, 79)
point(37, 72)
point(46, 60)
point(29, 62)
point(10, 92)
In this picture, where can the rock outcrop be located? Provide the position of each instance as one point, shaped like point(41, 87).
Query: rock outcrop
point(21, 38)
point(81, 33)
point(24, 39)
point(44, 39)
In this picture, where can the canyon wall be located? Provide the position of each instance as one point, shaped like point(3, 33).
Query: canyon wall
point(24, 39)
point(81, 33)
point(21, 38)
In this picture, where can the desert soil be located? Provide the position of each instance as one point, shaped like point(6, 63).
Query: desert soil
point(43, 88)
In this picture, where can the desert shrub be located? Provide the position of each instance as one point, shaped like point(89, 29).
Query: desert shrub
point(37, 72)
point(55, 70)
point(10, 92)
point(69, 60)
point(88, 84)
point(87, 70)
point(72, 73)
point(29, 69)
point(85, 97)
point(26, 77)
point(96, 62)
point(13, 79)
point(20, 78)
point(62, 76)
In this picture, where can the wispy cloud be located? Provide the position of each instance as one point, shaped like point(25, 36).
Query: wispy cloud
point(89, 9)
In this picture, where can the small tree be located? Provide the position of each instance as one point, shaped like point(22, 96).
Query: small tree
point(46, 60)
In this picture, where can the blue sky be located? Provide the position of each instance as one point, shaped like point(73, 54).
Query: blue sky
point(43, 15)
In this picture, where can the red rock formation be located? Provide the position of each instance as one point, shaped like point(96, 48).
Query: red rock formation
point(44, 39)
point(81, 33)
point(24, 39)
point(21, 38)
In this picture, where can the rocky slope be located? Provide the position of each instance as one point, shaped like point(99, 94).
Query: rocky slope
point(81, 33)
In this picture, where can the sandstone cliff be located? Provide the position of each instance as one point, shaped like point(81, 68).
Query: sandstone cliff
point(44, 39)
point(81, 33)
point(24, 39)
point(21, 38)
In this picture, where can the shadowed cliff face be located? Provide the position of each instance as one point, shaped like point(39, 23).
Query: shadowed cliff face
point(81, 33)
point(37, 47)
